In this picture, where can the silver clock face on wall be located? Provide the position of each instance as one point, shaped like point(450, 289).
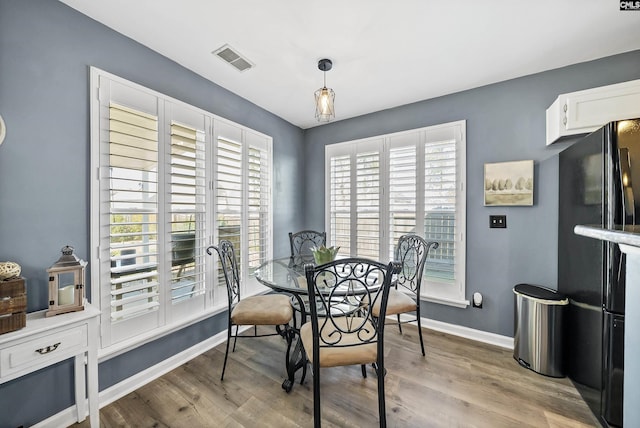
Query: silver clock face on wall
point(3, 130)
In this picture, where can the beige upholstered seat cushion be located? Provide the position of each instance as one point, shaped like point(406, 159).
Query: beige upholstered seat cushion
point(398, 303)
point(365, 353)
point(272, 309)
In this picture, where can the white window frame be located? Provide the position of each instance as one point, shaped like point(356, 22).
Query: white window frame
point(442, 292)
point(214, 299)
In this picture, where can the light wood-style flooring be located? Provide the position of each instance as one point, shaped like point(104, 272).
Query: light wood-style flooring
point(460, 383)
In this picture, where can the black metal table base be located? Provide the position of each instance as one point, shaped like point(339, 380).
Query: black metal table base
point(296, 358)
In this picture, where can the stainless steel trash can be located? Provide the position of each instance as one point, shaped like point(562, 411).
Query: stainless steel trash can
point(538, 329)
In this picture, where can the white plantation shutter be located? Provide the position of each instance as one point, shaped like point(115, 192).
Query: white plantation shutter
point(133, 212)
point(229, 190)
point(402, 189)
point(407, 182)
point(368, 204)
point(259, 201)
point(187, 211)
point(339, 193)
point(444, 212)
point(242, 199)
point(353, 183)
point(229, 181)
point(440, 207)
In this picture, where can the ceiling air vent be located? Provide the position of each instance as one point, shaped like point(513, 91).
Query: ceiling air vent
point(232, 56)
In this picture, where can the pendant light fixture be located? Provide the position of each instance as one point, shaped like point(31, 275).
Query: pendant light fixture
point(325, 96)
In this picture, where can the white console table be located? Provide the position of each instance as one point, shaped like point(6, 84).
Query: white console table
point(47, 341)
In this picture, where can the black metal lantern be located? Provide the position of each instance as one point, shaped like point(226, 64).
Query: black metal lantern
point(66, 284)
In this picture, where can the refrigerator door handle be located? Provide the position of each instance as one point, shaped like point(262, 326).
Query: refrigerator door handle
point(626, 186)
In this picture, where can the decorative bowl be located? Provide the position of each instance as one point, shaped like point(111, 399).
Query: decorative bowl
point(9, 270)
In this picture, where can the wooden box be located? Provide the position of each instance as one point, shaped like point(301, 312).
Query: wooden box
point(13, 304)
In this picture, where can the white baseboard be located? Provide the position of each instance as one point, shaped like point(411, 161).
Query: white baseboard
point(64, 418)
point(466, 332)
point(68, 416)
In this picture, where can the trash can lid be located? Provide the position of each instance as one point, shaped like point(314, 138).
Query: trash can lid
point(538, 292)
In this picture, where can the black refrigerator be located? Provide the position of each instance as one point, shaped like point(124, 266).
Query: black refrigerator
point(596, 178)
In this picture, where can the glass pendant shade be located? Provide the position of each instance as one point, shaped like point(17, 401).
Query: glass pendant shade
point(324, 104)
point(325, 111)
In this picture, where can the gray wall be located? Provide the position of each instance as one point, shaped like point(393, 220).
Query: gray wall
point(46, 49)
point(505, 122)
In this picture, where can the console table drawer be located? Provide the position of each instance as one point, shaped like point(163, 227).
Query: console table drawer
point(43, 350)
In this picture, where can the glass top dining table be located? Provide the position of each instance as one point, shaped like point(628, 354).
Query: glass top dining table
point(285, 274)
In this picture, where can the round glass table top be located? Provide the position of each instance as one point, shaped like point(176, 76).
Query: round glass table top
point(285, 274)
point(288, 275)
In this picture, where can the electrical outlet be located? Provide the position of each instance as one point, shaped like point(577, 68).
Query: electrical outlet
point(477, 300)
point(498, 221)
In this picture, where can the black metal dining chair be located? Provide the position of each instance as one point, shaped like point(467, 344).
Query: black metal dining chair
point(342, 331)
point(411, 252)
point(301, 242)
point(271, 309)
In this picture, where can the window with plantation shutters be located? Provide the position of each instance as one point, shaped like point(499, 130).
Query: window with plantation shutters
point(408, 182)
point(170, 180)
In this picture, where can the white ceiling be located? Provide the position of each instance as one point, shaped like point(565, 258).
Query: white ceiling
point(385, 53)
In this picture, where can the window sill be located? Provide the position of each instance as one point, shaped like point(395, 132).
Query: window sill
point(123, 347)
point(456, 302)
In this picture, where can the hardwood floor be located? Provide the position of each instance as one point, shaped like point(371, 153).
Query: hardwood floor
point(460, 383)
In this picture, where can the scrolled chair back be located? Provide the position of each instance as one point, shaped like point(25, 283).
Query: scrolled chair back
point(411, 252)
point(301, 242)
point(229, 267)
point(343, 291)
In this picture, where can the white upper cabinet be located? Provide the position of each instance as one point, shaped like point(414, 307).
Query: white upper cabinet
point(585, 111)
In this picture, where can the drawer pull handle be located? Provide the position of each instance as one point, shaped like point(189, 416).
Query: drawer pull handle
point(48, 349)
